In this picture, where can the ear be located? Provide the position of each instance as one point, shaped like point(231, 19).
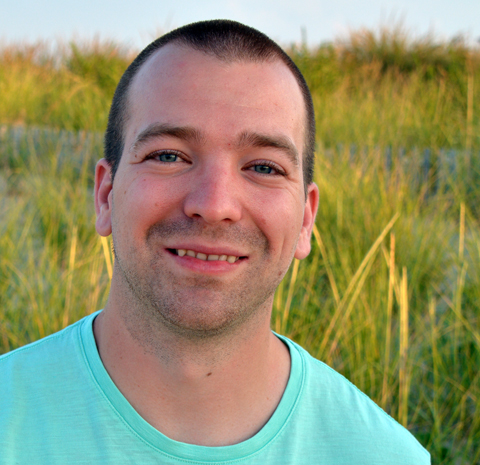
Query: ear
point(103, 198)
point(310, 212)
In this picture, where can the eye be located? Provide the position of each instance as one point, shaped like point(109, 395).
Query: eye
point(264, 169)
point(267, 168)
point(167, 157)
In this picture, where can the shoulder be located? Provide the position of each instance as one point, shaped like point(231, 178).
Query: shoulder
point(46, 389)
point(349, 417)
point(41, 362)
point(34, 349)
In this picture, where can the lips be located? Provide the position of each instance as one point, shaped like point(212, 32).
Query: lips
point(204, 256)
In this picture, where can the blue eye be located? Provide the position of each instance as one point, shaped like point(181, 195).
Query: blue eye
point(263, 169)
point(168, 157)
point(266, 168)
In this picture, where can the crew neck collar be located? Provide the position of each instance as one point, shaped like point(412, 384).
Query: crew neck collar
point(190, 452)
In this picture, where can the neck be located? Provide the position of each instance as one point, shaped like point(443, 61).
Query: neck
point(212, 391)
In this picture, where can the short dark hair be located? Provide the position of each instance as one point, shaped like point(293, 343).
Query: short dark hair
point(228, 41)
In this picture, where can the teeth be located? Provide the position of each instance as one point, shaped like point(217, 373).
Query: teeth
point(203, 256)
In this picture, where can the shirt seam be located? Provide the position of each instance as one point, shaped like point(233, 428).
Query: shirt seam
point(175, 457)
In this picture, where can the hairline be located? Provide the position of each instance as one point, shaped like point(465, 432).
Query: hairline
point(274, 58)
point(274, 54)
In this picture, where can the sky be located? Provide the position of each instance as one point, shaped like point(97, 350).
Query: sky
point(137, 22)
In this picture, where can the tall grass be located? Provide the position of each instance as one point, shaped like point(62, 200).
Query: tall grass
point(387, 88)
point(66, 86)
point(369, 88)
point(52, 269)
point(389, 295)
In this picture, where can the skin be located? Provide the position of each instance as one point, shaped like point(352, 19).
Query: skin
point(212, 163)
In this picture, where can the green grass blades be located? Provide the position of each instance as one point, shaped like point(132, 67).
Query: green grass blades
point(66, 86)
point(368, 88)
point(52, 268)
point(389, 295)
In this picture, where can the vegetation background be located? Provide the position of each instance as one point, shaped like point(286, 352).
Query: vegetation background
point(390, 293)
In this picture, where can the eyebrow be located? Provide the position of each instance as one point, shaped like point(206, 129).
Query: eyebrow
point(157, 130)
point(253, 139)
point(245, 140)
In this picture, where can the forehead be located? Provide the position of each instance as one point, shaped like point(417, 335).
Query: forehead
point(178, 85)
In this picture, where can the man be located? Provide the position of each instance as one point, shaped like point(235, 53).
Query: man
point(207, 191)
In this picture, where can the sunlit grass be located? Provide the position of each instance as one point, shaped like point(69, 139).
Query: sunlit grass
point(389, 295)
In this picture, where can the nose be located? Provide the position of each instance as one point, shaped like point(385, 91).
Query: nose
point(213, 196)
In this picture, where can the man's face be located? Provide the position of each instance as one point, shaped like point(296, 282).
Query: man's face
point(208, 207)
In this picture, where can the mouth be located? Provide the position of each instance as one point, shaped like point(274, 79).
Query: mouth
point(206, 257)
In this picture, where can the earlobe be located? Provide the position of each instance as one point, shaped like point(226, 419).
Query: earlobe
point(103, 198)
point(309, 215)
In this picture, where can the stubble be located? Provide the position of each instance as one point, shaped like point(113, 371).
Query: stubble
point(196, 308)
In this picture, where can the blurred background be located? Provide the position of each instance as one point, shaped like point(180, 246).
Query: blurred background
point(286, 21)
point(389, 296)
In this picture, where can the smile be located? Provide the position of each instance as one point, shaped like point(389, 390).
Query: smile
point(205, 257)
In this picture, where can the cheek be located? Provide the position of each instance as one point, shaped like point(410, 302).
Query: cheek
point(280, 220)
point(144, 203)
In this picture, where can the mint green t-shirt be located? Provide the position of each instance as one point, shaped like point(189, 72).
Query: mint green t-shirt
point(58, 405)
